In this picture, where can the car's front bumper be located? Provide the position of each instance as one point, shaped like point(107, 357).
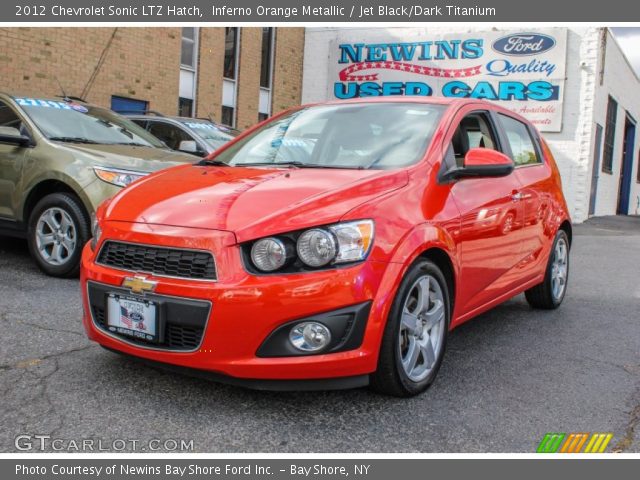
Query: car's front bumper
point(246, 309)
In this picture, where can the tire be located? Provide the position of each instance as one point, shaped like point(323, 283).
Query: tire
point(65, 211)
point(546, 296)
point(391, 377)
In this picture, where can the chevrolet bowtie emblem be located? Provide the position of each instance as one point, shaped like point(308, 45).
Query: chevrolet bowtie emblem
point(139, 284)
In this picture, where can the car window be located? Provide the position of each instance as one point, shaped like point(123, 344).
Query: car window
point(169, 134)
point(9, 118)
point(139, 121)
point(214, 135)
point(67, 121)
point(473, 131)
point(359, 135)
point(522, 148)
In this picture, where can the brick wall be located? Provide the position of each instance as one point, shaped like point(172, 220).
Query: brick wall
point(210, 68)
point(137, 62)
point(249, 77)
point(288, 68)
point(143, 63)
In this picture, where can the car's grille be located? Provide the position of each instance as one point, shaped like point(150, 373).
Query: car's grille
point(181, 324)
point(160, 261)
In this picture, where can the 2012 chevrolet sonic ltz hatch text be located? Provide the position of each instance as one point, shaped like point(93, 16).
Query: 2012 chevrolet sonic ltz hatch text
point(333, 246)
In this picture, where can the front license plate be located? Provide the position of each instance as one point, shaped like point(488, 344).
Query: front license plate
point(132, 317)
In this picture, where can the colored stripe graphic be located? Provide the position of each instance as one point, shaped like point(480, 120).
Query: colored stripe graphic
point(550, 443)
point(574, 443)
point(598, 442)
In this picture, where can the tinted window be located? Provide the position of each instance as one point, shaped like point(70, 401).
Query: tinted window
point(386, 135)
point(522, 148)
point(169, 134)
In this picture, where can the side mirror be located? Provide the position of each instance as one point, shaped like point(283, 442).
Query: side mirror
point(482, 162)
point(188, 146)
point(12, 136)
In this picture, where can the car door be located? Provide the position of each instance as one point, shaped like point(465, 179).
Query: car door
point(535, 194)
point(11, 164)
point(491, 217)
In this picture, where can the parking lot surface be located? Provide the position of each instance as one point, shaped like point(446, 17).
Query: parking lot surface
point(509, 376)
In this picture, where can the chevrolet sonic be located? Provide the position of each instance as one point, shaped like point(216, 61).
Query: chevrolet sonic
point(332, 246)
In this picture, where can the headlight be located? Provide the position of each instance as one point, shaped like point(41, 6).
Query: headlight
point(319, 247)
point(96, 232)
point(269, 254)
point(114, 176)
point(354, 240)
point(316, 247)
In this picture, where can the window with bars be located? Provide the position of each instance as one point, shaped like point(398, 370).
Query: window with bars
point(609, 136)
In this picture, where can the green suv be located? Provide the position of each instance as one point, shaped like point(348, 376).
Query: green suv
point(59, 159)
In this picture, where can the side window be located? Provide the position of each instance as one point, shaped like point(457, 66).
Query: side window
point(522, 148)
point(169, 134)
point(139, 121)
point(9, 118)
point(474, 131)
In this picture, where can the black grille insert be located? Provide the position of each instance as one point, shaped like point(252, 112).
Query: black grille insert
point(168, 262)
point(181, 322)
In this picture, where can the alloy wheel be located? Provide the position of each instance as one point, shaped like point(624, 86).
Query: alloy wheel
point(422, 328)
point(56, 238)
point(559, 268)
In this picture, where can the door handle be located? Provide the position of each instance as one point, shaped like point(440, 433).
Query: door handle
point(516, 196)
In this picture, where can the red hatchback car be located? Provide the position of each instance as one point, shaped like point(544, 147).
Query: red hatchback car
point(332, 246)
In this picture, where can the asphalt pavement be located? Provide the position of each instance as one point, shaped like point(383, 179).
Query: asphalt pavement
point(509, 376)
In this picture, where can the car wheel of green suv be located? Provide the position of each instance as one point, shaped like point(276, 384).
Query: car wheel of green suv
point(58, 229)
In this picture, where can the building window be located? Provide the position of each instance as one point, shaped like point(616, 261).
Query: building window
point(228, 115)
point(188, 72)
point(185, 107)
point(128, 105)
point(265, 67)
point(188, 55)
point(609, 136)
point(230, 52)
point(262, 117)
point(230, 73)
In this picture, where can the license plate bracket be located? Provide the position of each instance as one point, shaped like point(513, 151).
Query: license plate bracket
point(133, 317)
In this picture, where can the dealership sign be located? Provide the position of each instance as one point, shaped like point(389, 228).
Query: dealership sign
point(523, 71)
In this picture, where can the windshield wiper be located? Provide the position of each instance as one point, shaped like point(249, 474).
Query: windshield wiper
point(298, 165)
point(212, 163)
point(73, 140)
point(133, 144)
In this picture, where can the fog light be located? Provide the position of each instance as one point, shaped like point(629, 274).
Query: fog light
point(309, 336)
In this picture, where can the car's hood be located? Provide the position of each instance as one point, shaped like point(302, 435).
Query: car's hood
point(250, 202)
point(142, 159)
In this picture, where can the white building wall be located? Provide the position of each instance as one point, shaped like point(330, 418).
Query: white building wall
point(619, 81)
point(571, 146)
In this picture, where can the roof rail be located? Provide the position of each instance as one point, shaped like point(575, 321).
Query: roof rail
point(142, 112)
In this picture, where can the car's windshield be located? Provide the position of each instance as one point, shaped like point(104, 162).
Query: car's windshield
point(214, 135)
point(359, 135)
point(75, 122)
